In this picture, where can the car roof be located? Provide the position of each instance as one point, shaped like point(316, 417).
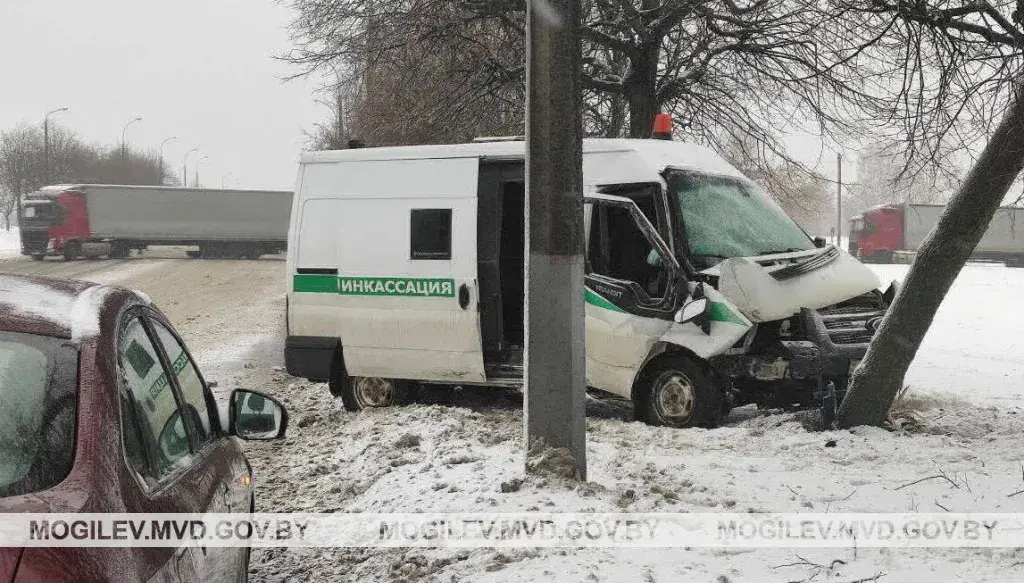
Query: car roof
point(61, 308)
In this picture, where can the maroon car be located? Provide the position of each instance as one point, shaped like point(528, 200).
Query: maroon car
point(102, 409)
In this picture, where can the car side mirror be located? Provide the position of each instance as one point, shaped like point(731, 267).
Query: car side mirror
point(697, 311)
point(255, 416)
point(820, 242)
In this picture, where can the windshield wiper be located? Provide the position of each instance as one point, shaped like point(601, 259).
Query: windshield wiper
point(789, 250)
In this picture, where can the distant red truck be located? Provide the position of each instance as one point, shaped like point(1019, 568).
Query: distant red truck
point(884, 232)
point(93, 221)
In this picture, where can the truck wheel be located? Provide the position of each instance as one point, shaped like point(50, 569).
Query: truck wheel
point(71, 250)
point(118, 251)
point(675, 392)
point(253, 253)
point(38, 257)
point(192, 254)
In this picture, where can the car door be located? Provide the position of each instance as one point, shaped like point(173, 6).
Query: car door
point(172, 470)
point(386, 261)
point(632, 290)
point(218, 454)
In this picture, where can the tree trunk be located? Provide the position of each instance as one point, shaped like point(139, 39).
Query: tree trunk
point(616, 117)
point(879, 378)
point(641, 90)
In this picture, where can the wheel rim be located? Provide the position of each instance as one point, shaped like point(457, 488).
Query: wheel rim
point(675, 397)
point(374, 392)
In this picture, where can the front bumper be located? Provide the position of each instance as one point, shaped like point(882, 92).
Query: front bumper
point(36, 242)
point(797, 372)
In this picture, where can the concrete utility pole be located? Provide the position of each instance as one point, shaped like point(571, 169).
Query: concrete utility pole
point(46, 143)
point(839, 199)
point(555, 359)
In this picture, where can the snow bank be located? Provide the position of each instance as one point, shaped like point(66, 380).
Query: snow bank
point(974, 348)
point(436, 458)
point(10, 242)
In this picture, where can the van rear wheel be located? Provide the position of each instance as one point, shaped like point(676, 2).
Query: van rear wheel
point(373, 392)
point(676, 392)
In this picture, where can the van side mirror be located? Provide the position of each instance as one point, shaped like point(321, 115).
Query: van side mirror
point(255, 416)
point(820, 242)
point(697, 311)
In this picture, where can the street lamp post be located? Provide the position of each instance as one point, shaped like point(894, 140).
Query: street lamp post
point(162, 144)
point(46, 143)
point(124, 149)
point(224, 179)
point(184, 168)
point(200, 161)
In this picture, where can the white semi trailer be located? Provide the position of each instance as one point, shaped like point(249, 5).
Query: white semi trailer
point(107, 220)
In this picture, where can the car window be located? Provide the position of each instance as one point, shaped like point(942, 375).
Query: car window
point(193, 391)
point(154, 405)
point(38, 400)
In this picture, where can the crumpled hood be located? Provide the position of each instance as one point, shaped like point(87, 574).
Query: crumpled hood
point(763, 297)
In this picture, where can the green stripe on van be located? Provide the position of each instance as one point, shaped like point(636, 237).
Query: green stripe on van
point(317, 284)
point(374, 286)
point(723, 313)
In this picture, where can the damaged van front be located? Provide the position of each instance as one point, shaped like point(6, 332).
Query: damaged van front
point(812, 308)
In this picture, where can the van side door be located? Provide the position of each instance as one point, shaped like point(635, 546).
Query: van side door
point(633, 290)
point(386, 262)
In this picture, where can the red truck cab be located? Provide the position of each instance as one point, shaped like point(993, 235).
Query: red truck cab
point(877, 233)
point(54, 221)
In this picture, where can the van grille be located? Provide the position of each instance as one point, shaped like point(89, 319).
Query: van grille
point(849, 324)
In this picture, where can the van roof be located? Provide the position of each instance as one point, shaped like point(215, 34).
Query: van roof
point(656, 153)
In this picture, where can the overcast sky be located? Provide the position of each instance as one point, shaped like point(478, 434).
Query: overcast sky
point(198, 69)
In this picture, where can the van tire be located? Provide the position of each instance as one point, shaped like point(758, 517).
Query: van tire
point(374, 392)
point(674, 391)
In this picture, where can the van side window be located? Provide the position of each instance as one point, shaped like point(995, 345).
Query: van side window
point(618, 249)
point(431, 234)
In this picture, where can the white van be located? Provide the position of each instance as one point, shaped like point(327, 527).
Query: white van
point(405, 267)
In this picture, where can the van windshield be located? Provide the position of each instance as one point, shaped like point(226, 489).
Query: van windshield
point(730, 217)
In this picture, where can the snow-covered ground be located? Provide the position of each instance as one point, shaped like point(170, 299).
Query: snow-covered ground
point(462, 451)
point(975, 346)
point(10, 242)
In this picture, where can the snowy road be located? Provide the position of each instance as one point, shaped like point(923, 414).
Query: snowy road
point(457, 452)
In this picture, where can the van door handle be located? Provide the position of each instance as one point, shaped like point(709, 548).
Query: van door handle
point(463, 296)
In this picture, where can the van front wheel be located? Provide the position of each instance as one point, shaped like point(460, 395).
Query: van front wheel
point(373, 392)
point(676, 392)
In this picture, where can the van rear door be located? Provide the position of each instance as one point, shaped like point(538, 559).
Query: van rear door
point(386, 261)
